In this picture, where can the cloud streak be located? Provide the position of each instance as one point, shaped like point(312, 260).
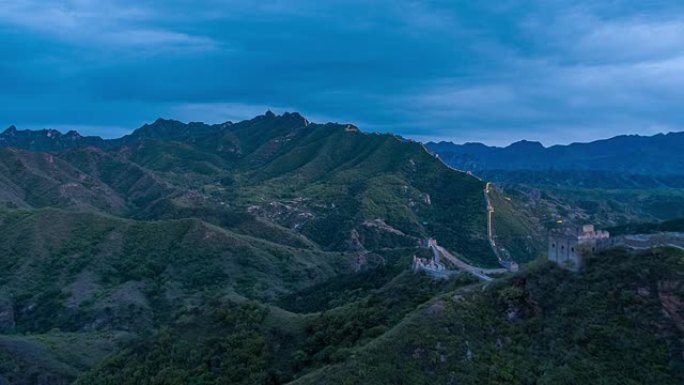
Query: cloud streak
point(107, 24)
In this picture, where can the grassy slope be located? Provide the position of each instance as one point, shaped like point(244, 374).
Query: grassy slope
point(378, 176)
point(54, 357)
point(85, 272)
point(515, 228)
point(604, 207)
point(41, 180)
point(75, 269)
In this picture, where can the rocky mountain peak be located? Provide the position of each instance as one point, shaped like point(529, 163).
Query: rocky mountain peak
point(527, 144)
point(11, 130)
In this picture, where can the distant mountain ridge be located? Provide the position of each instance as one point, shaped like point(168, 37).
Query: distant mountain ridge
point(51, 140)
point(657, 155)
point(46, 140)
point(607, 182)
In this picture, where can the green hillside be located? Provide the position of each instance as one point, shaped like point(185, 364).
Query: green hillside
point(544, 325)
point(273, 243)
point(674, 225)
point(276, 251)
point(619, 322)
point(327, 175)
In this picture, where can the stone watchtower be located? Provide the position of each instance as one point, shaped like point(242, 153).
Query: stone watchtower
point(567, 248)
point(563, 250)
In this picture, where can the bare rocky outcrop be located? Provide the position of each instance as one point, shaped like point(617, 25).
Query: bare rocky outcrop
point(380, 224)
point(671, 303)
point(354, 243)
point(436, 308)
point(289, 213)
point(82, 289)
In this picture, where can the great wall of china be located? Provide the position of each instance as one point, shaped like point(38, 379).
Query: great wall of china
point(568, 248)
point(436, 268)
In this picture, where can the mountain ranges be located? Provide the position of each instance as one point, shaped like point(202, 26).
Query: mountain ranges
point(276, 250)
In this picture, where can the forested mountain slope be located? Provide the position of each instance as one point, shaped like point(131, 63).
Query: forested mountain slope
point(181, 229)
point(618, 322)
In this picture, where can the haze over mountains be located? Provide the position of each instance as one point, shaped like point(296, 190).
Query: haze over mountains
point(660, 154)
point(622, 161)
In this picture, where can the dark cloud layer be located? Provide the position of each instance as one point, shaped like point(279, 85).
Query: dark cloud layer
point(498, 71)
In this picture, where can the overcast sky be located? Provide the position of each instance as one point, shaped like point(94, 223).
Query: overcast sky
point(556, 71)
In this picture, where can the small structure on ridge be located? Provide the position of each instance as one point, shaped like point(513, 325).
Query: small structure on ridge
point(568, 248)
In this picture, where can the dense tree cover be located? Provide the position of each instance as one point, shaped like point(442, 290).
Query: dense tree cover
point(227, 342)
point(339, 291)
point(617, 322)
point(613, 323)
point(674, 225)
point(234, 351)
point(334, 333)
